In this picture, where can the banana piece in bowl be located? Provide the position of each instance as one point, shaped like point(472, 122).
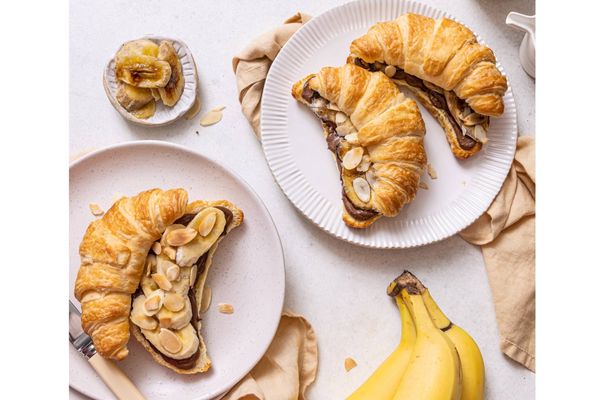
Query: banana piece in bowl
point(172, 91)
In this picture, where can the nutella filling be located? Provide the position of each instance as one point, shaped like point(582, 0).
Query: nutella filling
point(437, 99)
point(333, 144)
point(190, 362)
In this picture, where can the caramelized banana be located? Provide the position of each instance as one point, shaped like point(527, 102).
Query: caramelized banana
point(133, 98)
point(145, 112)
point(171, 93)
point(142, 71)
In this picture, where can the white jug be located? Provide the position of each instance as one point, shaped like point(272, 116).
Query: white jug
point(527, 51)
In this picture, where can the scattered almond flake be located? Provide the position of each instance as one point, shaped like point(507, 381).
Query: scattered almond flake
point(206, 299)
point(193, 111)
point(220, 108)
point(349, 363)
point(225, 308)
point(96, 209)
point(156, 248)
point(423, 185)
point(211, 117)
point(431, 171)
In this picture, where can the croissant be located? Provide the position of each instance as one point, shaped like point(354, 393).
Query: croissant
point(113, 252)
point(376, 136)
point(156, 249)
point(451, 74)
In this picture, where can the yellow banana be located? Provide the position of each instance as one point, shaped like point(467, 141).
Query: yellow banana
point(433, 371)
point(473, 372)
point(382, 384)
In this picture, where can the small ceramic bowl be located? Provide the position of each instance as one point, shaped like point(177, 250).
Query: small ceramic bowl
point(164, 115)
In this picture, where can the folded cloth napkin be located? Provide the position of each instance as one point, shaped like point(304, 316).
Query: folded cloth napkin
point(506, 234)
point(252, 64)
point(288, 367)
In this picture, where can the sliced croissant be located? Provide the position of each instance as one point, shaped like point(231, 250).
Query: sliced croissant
point(376, 137)
point(436, 58)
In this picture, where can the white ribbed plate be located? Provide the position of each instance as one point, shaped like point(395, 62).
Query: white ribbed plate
point(297, 154)
point(164, 115)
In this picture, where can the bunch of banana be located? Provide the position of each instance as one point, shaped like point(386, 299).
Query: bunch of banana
point(148, 72)
point(435, 360)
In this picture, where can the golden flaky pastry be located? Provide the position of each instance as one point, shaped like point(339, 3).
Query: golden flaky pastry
point(146, 262)
point(453, 75)
point(113, 252)
point(376, 135)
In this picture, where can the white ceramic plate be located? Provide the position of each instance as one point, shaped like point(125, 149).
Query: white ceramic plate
point(303, 167)
point(164, 115)
point(247, 271)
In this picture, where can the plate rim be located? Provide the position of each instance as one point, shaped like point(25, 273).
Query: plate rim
point(271, 91)
point(254, 194)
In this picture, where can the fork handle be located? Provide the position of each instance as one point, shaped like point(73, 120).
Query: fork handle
point(115, 379)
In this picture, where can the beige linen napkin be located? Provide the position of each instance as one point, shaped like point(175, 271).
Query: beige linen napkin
point(506, 234)
point(288, 367)
point(252, 64)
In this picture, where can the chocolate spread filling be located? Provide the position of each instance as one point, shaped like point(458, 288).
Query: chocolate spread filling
point(190, 362)
point(333, 144)
point(437, 99)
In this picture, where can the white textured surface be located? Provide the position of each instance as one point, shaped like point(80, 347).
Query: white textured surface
point(247, 269)
point(338, 286)
point(302, 165)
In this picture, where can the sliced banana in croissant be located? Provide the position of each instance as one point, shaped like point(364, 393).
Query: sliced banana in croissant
point(175, 319)
point(188, 254)
point(133, 98)
point(142, 71)
point(171, 93)
point(185, 341)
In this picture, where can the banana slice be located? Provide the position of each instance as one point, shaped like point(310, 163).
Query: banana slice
point(171, 93)
point(133, 98)
point(142, 71)
point(187, 336)
point(142, 47)
point(190, 253)
point(138, 316)
point(175, 320)
point(145, 112)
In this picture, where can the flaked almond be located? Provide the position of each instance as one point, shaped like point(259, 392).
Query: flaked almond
point(150, 263)
point(153, 302)
point(362, 189)
point(156, 248)
point(346, 128)
point(174, 302)
point(423, 185)
point(365, 163)
point(193, 275)
point(207, 224)
point(431, 171)
point(170, 252)
point(219, 108)
point(333, 107)
point(162, 281)
point(206, 299)
point(390, 71)
point(352, 158)
point(193, 111)
point(211, 118)
point(169, 341)
point(349, 364)
point(96, 209)
point(180, 237)
point(340, 118)
point(352, 138)
point(225, 308)
point(144, 322)
point(371, 179)
point(172, 272)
